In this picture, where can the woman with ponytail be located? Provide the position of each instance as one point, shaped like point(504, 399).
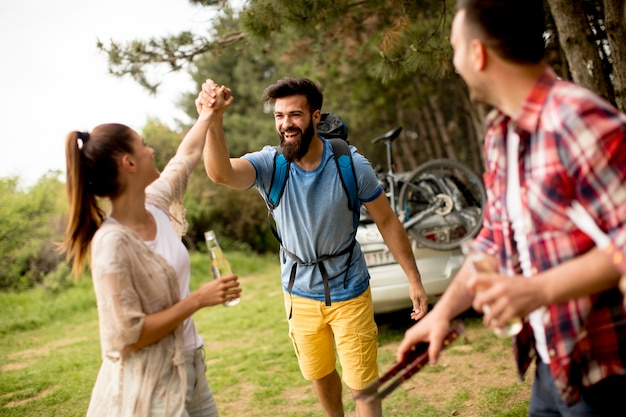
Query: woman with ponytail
point(152, 357)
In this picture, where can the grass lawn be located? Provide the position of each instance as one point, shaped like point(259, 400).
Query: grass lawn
point(50, 356)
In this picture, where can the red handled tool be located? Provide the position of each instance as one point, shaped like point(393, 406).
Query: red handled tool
point(402, 371)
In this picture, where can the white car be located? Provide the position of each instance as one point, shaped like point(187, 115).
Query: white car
point(389, 284)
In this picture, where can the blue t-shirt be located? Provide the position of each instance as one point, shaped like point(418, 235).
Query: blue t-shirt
point(313, 219)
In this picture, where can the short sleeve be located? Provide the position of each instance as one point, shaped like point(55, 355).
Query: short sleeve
point(263, 163)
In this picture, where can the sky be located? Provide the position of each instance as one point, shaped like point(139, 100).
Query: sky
point(53, 79)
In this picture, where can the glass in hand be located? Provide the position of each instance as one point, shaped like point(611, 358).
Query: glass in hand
point(478, 264)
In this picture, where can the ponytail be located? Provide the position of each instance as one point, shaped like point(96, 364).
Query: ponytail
point(85, 216)
point(91, 172)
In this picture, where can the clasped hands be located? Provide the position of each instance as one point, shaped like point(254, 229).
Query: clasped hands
point(214, 97)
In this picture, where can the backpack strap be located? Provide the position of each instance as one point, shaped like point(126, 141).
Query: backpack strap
point(279, 178)
point(345, 166)
point(347, 175)
point(277, 187)
point(343, 160)
point(320, 263)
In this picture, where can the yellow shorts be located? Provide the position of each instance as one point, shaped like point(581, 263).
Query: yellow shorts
point(316, 329)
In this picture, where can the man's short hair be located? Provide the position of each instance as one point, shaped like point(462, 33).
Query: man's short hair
point(514, 29)
point(295, 86)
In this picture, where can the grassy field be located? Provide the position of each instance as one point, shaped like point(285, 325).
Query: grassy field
point(50, 355)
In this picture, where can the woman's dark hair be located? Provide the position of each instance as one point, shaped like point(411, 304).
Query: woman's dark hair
point(295, 86)
point(514, 29)
point(91, 172)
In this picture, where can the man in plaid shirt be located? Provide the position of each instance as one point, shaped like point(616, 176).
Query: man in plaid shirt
point(549, 143)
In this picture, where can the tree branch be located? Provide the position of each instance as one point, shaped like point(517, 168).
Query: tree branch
point(136, 58)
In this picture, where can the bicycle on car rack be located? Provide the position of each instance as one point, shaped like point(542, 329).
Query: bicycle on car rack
point(440, 203)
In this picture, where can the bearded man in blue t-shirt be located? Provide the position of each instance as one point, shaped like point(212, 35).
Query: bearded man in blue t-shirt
point(313, 221)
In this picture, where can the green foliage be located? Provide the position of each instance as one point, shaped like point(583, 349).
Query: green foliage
point(162, 139)
point(59, 279)
point(238, 217)
point(379, 63)
point(402, 38)
point(30, 221)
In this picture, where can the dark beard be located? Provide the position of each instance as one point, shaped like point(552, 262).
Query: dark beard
point(295, 150)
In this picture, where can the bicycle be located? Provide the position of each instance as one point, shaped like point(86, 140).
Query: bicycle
point(440, 203)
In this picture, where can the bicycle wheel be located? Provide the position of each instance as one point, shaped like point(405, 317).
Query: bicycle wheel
point(442, 203)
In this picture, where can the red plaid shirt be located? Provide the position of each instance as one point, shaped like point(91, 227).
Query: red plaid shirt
point(572, 147)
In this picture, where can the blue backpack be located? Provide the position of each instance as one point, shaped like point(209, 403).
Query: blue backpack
point(333, 129)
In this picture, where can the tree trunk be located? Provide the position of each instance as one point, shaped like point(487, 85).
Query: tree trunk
point(417, 148)
point(441, 127)
point(409, 161)
point(615, 18)
point(432, 130)
point(475, 115)
point(424, 149)
point(577, 41)
point(403, 151)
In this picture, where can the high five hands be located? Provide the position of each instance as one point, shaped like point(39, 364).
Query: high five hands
point(213, 96)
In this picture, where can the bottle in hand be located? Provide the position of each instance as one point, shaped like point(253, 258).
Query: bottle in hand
point(219, 264)
point(479, 264)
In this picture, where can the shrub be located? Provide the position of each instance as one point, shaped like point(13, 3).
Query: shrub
point(30, 222)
